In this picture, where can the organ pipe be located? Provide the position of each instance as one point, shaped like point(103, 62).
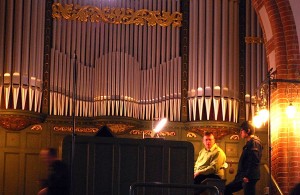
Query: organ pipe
point(216, 57)
point(256, 66)
point(236, 63)
point(224, 59)
point(213, 60)
point(21, 54)
point(232, 54)
point(2, 27)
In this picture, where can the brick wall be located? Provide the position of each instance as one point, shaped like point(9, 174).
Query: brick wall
point(284, 135)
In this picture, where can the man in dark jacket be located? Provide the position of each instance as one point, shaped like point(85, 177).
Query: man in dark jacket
point(58, 181)
point(248, 172)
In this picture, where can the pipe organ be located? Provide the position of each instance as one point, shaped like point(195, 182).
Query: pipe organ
point(122, 70)
point(128, 69)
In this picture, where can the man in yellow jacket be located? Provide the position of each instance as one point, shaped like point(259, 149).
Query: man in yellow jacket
point(210, 161)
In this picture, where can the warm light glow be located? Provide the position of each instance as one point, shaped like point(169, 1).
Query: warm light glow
point(257, 121)
point(160, 125)
point(290, 111)
point(264, 115)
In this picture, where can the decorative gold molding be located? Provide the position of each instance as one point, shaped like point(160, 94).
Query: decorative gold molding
point(140, 132)
point(117, 128)
point(17, 120)
point(191, 134)
point(250, 40)
point(167, 133)
point(115, 15)
point(37, 128)
point(149, 133)
point(234, 137)
point(218, 132)
point(78, 129)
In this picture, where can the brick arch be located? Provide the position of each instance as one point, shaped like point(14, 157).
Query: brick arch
point(280, 36)
point(282, 48)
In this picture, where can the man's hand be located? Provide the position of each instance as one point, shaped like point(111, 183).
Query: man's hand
point(245, 180)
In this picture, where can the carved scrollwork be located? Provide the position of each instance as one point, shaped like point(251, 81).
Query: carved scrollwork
point(167, 133)
point(37, 128)
point(149, 133)
point(17, 120)
point(16, 123)
point(234, 137)
point(77, 129)
point(119, 128)
point(191, 134)
point(218, 132)
point(116, 15)
point(140, 132)
point(116, 128)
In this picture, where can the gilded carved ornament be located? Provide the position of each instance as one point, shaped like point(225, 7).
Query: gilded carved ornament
point(191, 134)
point(37, 128)
point(77, 129)
point(252, 40)
point(234, 137)
point(16, 120)
point(219, 132)
point(115, 15)
point(116, 128)
point(149, 133)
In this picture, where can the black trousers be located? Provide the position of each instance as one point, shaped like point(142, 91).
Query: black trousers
point(200, 178)
point(234, 186)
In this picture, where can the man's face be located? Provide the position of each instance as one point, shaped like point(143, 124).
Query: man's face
point(45, 157)
point(208, 141)
point(243, 133)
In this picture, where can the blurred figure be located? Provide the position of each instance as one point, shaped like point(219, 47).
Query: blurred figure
point(58, 181)
point(248, 172)
point(210, 161)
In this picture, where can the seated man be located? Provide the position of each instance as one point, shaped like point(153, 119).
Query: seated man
point(210, 160)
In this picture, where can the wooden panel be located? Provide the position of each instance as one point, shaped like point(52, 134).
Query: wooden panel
point(176, 174)
point(197, 147)
point(12, 139)
point(232, 166)
point(80, 170)
point(154, 167)
point(57, 138)
point(11, 173)
point(111, 165)
point(177, 154)
point(231, 150)
point(20, 167)
point(103, 168)
point(129, 167)
point(33, 140)
point(32, 167)
point(154, 158)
